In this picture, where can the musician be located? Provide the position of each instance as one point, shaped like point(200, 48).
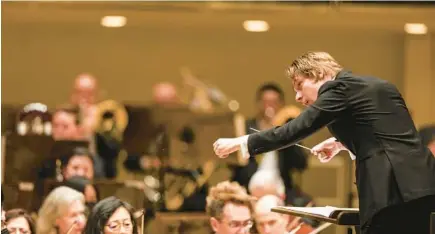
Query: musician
point(106, 149)
point(270, 100)
point(230, 208)
point(19, 221)
point(268, 222)
point(66, 127)
point(111, 215)
point(84, 96)
point(65, 124)
point(62, 212)
point(266, 182)
point(165, 94)
point(395, 172)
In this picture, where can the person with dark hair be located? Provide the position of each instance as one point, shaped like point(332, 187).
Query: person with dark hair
point(111, 215)
point(79, 162)
point(18, 220)
point(65, 124)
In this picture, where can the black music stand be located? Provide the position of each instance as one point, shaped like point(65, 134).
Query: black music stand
point(338, 217)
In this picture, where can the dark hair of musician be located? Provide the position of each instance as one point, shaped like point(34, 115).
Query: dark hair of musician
point(102, 212)
point(270, 87)
point(17, 213)
point(77, 151)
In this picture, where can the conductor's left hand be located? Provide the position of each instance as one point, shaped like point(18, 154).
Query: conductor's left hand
point(225, 146)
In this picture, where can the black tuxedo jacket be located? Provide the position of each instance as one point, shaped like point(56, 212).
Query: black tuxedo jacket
point(369, 117)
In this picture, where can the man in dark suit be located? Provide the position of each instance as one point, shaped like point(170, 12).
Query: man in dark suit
point(395, 172)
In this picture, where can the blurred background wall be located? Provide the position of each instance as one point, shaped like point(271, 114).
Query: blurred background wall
point(46, 45)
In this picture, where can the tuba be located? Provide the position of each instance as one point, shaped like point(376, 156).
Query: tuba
point(111, 119)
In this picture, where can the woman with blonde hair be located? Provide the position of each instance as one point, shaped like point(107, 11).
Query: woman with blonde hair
point(62, 212)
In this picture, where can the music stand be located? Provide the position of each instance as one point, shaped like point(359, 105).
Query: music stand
point(338, 217)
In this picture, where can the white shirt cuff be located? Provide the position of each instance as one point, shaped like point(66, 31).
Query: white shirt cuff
point(244, 147)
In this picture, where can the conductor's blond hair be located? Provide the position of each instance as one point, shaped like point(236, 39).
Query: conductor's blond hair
point(314, 65)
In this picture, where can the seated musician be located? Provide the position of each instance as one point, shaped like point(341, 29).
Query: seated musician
point(270, 102)
point(230, 209)
point(62, 212)
point(268, 222)
point(104, 146)
point(66, 127)
point(19, 221)
point(111, 215)
point(267, 182)
point(77, 172)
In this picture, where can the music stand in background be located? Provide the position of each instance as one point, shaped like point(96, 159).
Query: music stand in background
point(141, 130)
point(338, 217)
point(24, 157)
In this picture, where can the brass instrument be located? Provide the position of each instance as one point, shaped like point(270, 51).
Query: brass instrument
point(111, 119)
point(205, 96)
point(284, 114)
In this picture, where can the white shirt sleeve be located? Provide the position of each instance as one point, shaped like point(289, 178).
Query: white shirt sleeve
point(352, 156)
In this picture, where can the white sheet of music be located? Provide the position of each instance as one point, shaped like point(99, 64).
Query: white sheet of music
point(323, 211)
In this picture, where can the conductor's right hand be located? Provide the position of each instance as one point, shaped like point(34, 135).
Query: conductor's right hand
point(225, 146)
point(327, 149)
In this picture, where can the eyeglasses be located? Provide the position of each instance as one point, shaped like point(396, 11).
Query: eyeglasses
point(115, 226)
point(239, 224)
point(18, 230)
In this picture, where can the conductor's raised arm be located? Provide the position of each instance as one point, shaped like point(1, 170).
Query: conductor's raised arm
point(331, 101)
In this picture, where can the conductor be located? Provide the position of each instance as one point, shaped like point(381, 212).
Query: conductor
point(395, 172)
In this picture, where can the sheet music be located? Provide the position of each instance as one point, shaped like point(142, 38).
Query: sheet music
point(323, 211)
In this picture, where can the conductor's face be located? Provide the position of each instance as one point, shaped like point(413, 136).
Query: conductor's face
point(306, 89)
